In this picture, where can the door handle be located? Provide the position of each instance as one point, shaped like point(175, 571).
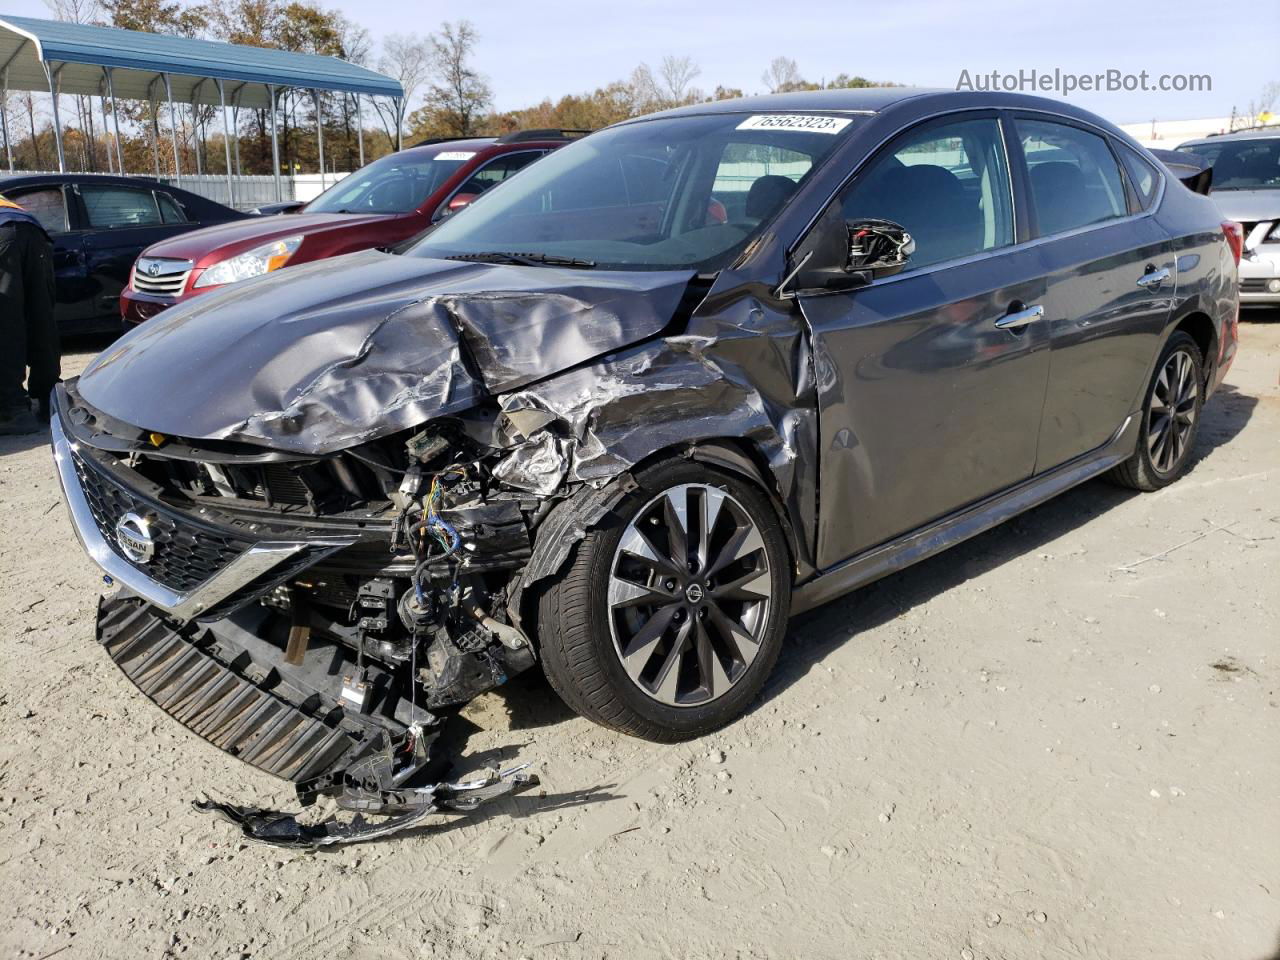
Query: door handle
point(1018, 320)
point(1153, 278)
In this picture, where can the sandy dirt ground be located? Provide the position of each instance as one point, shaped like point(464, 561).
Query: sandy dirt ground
point(1061, 739)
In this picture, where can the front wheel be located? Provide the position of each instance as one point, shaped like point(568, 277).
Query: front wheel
point(1170, 418)
point(670, 615)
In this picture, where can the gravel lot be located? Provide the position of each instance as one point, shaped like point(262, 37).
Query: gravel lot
point(1061, 739)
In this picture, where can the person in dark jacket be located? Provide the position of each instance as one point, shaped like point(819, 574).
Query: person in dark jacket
point(29, 348)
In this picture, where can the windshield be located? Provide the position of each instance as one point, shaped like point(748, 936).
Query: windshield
point(1241, 164)
point(679, 193)
point(398, 183)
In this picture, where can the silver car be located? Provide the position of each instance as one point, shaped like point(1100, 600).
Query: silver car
point(1246, 185)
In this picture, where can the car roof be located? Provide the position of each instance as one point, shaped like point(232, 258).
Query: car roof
point(482, 144)
point(35, 179)
point(1258, 133)
point(854, 100)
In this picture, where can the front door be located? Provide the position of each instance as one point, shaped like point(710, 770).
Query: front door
point(931, 382)
point(122, 221)
point(48, 204)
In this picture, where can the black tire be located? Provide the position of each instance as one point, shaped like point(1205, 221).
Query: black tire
point(1152, 467)
point(576, 623)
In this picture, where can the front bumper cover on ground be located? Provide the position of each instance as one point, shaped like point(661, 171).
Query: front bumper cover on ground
point(214, 681)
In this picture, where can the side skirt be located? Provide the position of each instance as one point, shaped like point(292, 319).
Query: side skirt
point(916, 546)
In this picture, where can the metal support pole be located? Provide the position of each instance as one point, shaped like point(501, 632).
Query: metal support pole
point(235, 123)
point(52, 76)
point(106, 129)
point(173, 120)
point(275, 143)
point(4, 116)
point(197, 127)
point(115, 121)
point(360, 129)
point(226, 145)
point(399, 123)
point(315, 95)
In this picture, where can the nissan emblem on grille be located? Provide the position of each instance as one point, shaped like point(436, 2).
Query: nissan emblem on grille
point(153, 269)
point(133, 534)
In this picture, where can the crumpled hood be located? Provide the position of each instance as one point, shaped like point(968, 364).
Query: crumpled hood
point(330, 354)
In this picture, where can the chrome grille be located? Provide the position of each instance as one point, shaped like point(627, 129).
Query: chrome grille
point(159, 276)
point(186, 553)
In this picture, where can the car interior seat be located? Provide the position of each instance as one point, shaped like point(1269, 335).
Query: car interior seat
point(1063, 198)
point(767, 195)
point(932, 204)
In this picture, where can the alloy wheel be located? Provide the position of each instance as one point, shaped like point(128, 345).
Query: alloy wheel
point(1172, 412)
point(689, 595)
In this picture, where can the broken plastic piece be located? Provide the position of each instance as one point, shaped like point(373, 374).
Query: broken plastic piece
point(282, 829)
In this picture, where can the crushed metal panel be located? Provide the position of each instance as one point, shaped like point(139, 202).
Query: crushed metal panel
point(353, 348)
point(741, 369)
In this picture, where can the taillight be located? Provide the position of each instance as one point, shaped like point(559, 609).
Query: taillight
point(1234, 233)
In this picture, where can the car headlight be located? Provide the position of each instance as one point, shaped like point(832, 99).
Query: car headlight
point(251, 263)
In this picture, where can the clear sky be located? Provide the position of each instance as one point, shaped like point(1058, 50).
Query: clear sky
point(531, 50)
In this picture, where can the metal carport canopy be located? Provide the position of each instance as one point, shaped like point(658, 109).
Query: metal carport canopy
point(79, 52)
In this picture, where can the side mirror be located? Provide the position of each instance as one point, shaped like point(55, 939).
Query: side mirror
point(879, 247)
point(461, 200)
point(846, 254)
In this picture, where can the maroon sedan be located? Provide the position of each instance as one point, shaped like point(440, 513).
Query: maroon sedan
point(379, 205)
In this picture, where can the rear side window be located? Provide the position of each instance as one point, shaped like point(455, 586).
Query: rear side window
point(114, 207)
point(1144, 177)
point(169, 209)
point(1075, 181)
point(494, 172)
point(948, 184)
point(48, 206)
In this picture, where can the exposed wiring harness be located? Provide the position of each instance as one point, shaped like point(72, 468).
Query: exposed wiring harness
point(430, 524)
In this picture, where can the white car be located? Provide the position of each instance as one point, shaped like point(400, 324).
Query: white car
point(1246, 185)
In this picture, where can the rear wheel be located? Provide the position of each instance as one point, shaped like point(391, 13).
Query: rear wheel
point(1170, 418)
point(670, 616)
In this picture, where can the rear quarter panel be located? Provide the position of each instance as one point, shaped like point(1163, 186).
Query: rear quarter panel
point(1207, 276)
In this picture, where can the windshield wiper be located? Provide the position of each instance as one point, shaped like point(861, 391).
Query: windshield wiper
point(525, 259)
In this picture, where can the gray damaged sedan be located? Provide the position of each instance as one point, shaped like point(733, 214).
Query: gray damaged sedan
point(623, 416)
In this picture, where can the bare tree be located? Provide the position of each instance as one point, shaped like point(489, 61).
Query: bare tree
point(460, 95)
point(643, 87)
point(80, 11)
point(782, 75)
point(677, 74)
point(408, 58)
point(74, 11)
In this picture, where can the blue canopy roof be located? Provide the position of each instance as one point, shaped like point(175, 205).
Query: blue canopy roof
point(79, 53)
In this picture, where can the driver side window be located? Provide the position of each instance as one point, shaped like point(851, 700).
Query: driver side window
point(947, 184)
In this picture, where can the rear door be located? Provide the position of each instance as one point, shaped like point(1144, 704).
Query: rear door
point(73, 298)
point(1111, 281)
point(121, 222)
point(931, 382)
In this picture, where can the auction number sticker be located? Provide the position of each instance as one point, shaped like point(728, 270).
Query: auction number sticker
point(455, 155)
point(794, 123)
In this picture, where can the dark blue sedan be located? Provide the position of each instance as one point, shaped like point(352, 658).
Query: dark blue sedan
point(99, 225)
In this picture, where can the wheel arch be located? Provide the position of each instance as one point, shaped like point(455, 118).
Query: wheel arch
point(567, 523)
